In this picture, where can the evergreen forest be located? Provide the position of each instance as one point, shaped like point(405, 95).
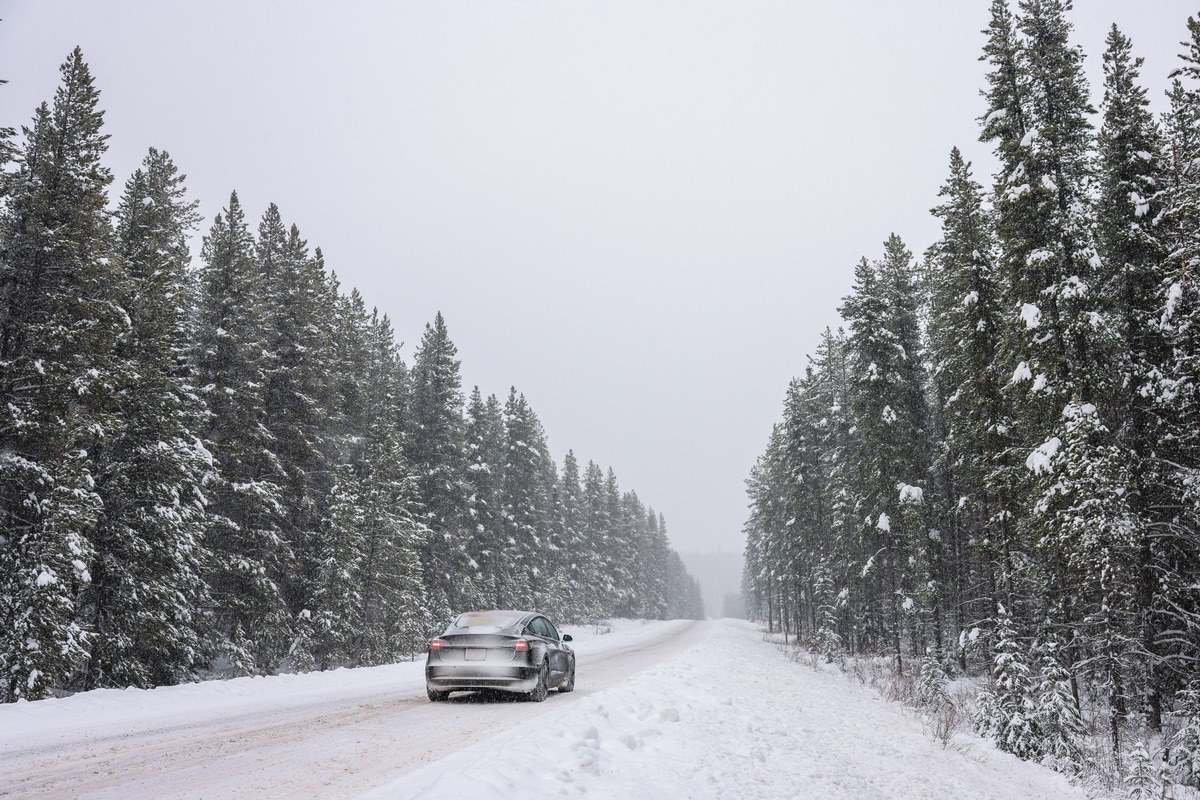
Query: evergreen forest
point(992, 468)
point(227, 468)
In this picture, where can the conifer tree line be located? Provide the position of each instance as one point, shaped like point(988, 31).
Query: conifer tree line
point(230, 470)
point(993, 467)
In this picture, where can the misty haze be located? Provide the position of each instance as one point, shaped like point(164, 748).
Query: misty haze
point(624, 399)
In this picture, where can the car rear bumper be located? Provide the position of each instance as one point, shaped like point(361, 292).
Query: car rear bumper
point(507, 678)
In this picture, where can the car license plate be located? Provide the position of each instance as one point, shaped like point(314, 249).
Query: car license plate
point(476, 654)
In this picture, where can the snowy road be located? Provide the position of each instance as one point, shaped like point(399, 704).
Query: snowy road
point(320, 735)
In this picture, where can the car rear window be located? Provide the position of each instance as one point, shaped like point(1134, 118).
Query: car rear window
point(487, 619)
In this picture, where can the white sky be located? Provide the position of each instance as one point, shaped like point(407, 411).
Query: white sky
point(641, 214)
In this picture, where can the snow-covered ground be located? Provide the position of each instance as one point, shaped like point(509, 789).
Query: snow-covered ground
point(732, 718)
point(661, 710)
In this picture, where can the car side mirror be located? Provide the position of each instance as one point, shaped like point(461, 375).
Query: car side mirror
point(566, 637)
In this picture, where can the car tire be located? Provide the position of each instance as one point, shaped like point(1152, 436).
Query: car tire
point(435, 696)
point(540, 690)
point(568, 685)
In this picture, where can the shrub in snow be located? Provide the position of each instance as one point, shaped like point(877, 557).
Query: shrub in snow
point(1057, 718)
point(826, 641)
point(1184, 743)
point(1006, 710)
point(1144, 781)
point(932, 686)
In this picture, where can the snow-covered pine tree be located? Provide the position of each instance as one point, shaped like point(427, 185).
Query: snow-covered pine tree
point(601, 588)
point(296, 398)
point(933, 681)
point(524, 501)
point(870, 488)
point(1092, 535)
point(1143, 780)
point(636, 536)
point(244, 536)
point(758, 530)
point(1184, 741)
point(1056, 715)
point(1056, 344)
point(1007, 709)
point(485, 456)
point(619, 551)
point(574, 572)
point(1178, 594)
point(144, 604)
point(653, 561)
point(826, 639)
point(394, 618)
point(1133, 257)
point(394, 615)
point(60, 324)
point(970, 409)
point(803, 496)
point(435, 449)
point(831, 395)
point(888, 403)
point(335, 605)
point(684, 599)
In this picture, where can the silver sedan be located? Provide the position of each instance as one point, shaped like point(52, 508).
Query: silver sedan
point(511, 651)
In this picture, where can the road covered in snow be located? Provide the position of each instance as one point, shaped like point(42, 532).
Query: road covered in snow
point(671, 709)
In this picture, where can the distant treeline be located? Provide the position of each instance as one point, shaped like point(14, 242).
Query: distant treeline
point(231, 471)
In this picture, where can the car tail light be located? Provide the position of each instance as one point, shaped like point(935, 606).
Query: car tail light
point(436, 645)
point(520, 645)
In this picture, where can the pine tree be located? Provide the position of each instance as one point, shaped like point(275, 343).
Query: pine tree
point(297, 333)
point(144, 601)
point(1184, 741)
point(887, 400)
point(394, 617)
point(963, 340)
point(1007, 710)
point(524, 502)
point(245, 529)
point(1177, 562)
point(652, 560)
point(1056, 716)
point(1142, 781)
point(366, 603)
point(1133, 255)
point(601, 586)
point(619, 550)
point(1056, 344)
point(435, 449)
point(485, 441)
point(574, 573)
point(826, 640)
point(1090, 527)
point(1182, 202)
point(933, 682)
point(59, 328)
point(296, 396)
point(336, 600)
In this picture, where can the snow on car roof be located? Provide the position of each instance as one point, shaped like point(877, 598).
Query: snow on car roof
point(489, 619)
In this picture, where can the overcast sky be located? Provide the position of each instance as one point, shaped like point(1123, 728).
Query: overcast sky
point(641, 214)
